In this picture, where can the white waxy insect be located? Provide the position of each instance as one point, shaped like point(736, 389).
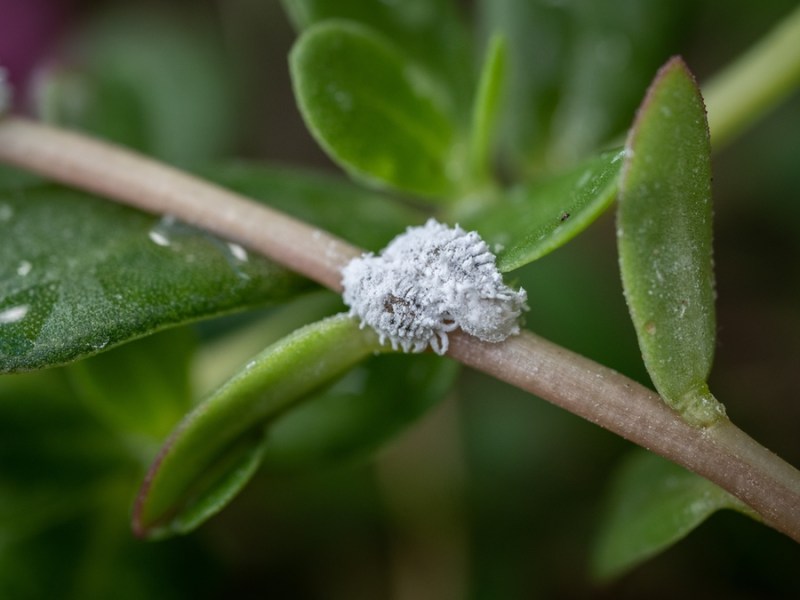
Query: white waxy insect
point(429, 281)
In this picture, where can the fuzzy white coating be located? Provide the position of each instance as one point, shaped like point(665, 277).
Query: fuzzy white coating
point(429, 281)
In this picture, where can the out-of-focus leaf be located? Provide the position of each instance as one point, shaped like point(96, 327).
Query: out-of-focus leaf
point(140, 389)
point(614, 49)
point(539, 217)
point(484, 110)
point(431, 32)
point(80, 275)
point(65, 487)
point(575, 71)
point(99, 104)
point(362, 217)
point(216, 449)
point(49, 442)
point(375, 112)
point(152, 79)
point(664, 237)
point(653, 503)
point(221, 357)
point(374, 403)
point(14, 180)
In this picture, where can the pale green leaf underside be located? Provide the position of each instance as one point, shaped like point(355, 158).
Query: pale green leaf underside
point(216, 448)
point(653, 504)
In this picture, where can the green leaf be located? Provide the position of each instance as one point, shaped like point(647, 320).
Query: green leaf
point(664, 237)
point(539, 217)
point(374, 403)
point(216, 449)
point(141, 390)
point(653, 503)
point(49, 442)
point(65, 488)
point(360, 216)
point(80, 275)
point(484, 110)
point(575, 72)
point(156, 80)
point(614, 49)
point(431, 32)
point(373, 111)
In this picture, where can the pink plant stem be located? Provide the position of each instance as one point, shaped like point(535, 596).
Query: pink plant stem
point(154, 187)
point(722, 453)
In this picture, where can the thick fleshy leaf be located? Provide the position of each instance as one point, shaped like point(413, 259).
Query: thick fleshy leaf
point(148, 79)
point(575, 71)
point(664, 236)
point(216, 449)
point(359, 414)
point(373, 110)
point(141, 390)
point(539, 217)
point(80, 274)
point(653, 503)
point(431, 32)
point(366, 218)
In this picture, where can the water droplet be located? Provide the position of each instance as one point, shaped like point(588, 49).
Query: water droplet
point(100, 344)
point(24, 268)
point(13, 314)
point(158, 238)
point(159, 234)
point(238, 252)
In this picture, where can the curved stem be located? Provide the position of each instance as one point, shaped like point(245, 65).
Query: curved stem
point(155, 187)
point(721, 453)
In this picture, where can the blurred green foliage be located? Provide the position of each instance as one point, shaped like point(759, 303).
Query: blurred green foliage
point(505, 481)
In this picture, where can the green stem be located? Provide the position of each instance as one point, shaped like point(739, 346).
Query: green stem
point(721, 452)
point(755, 82)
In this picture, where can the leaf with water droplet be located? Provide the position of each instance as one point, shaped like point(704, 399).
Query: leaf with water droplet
point(217, 448)
point(664, 237)
point(539, 217)
point(652, 505)
point(80, 275)
point(373, 110)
